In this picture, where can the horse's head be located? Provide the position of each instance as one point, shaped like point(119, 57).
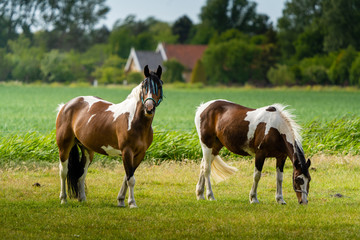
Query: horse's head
point(301, 179)
point(151, 90)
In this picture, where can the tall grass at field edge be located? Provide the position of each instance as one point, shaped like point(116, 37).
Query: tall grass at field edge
point(340, 136)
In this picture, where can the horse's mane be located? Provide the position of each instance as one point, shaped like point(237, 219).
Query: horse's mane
point(289, 118)
point(135, 93)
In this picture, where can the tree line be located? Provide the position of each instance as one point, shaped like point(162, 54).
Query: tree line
point(314, 42)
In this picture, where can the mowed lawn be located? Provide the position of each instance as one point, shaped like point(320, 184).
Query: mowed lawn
point(168, 209)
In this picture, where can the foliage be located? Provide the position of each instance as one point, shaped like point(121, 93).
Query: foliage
point(340, 68)
point(5, 65)
point(25, 59)
point(182, 28)
point(198, 75)
point(339, 19)
point(281, 75)
point(174, 71)
point(56, 68)
point(112, 71)
point(70, 21)
point(135, 77)
point(239, 14)
point(355, 72)
point(230, 62)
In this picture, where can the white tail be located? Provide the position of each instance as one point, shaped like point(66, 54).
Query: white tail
point(220, 171)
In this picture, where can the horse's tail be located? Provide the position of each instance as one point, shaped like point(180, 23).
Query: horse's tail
point(75, 170)
point(220, 171)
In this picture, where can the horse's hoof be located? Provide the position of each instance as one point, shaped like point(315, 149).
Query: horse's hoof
point(254, 201)
point(281, 201)
point(200, 197)
point(63, 201)
point(211, 198)
point(121, 204)
point(132, 205)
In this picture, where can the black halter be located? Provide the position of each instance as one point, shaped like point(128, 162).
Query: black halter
point(150, 85)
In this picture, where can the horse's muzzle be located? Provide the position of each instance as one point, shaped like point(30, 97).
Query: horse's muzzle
point(149, 108)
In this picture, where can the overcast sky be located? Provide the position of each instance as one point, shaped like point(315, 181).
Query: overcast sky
point(171, 10)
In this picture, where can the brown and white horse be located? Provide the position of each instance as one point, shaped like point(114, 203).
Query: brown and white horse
point(95, 125)
point(265, 132)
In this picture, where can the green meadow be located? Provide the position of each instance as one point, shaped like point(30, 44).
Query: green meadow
point(330, 118)
point(165, 182)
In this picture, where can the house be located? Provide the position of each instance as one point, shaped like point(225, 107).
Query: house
point(187, 55)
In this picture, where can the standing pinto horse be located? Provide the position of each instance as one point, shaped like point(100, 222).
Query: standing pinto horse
point(95, 125)
point(265, 132)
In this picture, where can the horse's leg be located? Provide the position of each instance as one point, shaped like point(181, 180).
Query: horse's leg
point(204, 178)
point(259, 163)
point(63, 170)
point(64, 151)
point(130, 164)
point(122, 193)
point(280, 162)
point(88, 155)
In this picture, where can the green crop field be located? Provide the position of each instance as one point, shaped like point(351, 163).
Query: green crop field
point(330, 118)
point(165, 193)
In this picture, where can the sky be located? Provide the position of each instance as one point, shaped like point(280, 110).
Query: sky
point(171, 10)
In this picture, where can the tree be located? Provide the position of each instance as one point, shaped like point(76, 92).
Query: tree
point(239, 14)
point(339, 71)
point(297, 16)
point(230, 62)
point(281, 75)
point(5, 65)
point(309, 43)
point(355, 72)
point(55, 67)
point(198, 75)
point(341, 18)
point(25, 59)
point(70, 21)
point(182, 28)
point(112, 71)
point(173, 72)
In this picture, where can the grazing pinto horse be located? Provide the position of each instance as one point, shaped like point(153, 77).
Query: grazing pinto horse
point(95, 125)
point(265, 132)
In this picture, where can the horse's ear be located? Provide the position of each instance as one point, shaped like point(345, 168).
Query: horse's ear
point(146, 71)
point(159, 71)
point(308, 163)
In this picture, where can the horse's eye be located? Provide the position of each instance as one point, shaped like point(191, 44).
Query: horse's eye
point(299, 181)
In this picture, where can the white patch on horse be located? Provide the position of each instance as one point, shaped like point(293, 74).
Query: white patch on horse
point(303, 187)
point(199, 110)
point(58, 109)
point(91, 100)
point(111, 151)
point(279, 119)
point(90, 118)
point(127, 106)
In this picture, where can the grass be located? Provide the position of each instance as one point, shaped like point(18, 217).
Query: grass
point(330, 119)
point(168, 208)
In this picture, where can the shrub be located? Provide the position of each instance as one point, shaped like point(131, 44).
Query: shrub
point(340, 68)
point(198, 75)
point(174, 71)
point(281, 75)
point(355, 72)
point(135, 77)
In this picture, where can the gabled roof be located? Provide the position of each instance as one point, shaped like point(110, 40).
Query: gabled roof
point(187, 55)
point(143, 58)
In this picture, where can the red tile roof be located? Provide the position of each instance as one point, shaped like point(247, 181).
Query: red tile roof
point(187, 55)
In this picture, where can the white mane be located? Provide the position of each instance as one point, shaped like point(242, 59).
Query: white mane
point(290, 120)
point(135, 93)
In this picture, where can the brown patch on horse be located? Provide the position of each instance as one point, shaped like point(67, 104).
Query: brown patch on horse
point(271, 109)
